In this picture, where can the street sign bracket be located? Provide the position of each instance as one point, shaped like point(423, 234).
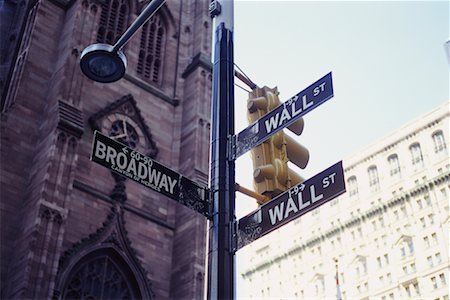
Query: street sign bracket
point(231, 147)
point(210, 212)
point(292, 204)
point(234, 236)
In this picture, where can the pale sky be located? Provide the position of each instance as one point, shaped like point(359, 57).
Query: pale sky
point(387, 58)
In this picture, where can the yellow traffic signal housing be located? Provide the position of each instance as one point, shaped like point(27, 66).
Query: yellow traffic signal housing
point(271, 173)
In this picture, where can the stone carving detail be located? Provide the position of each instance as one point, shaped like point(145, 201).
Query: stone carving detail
point(110, 238)
point(70, 119)
point(125, 111)
point(52, 213)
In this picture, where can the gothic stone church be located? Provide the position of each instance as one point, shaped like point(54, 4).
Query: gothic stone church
point(70, 229)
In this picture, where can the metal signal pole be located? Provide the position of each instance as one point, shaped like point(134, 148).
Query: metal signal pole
point(221, 260)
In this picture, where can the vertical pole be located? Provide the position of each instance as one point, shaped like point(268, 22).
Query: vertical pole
point(221, 260)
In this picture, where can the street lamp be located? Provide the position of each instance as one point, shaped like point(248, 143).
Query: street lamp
point(105, 63)
point(101, 63)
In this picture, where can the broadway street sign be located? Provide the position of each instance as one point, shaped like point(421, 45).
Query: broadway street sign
point(284, 115)
point(148, 172)
point(291, 204)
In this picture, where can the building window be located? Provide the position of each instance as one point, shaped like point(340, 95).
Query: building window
point(422, 221)
point(416, 288)
point(405, 270)
point(374, 225)
point(431, 218)
point(113, 21)
point(439, 142)
point(396, 215)
point(394, 165)
point(319, 286)
point(13, 88)
point(434, 237)
point(403, 251)
point(125, 133)
point(430, 261)
point(352, 186)
point(410, 247)
point(438, 258)
point(419, 204)
point(416, 154)
point(373, 178)
point(408, 291)
point(102, 274)
point(151, 49)
point(361, 267)
point(403, 209)
point(434, 282)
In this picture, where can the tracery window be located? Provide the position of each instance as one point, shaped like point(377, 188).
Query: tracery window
point(113, 21)
point(20, 62)
point(151, 51)
point(101, 275)
point(125, 133)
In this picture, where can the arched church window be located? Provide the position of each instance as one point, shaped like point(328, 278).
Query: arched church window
point(103, 274)
point(151, 50)
point(113, 20)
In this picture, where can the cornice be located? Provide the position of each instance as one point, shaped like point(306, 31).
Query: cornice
point(199, 60)
point(151, 89)
point(393, 144)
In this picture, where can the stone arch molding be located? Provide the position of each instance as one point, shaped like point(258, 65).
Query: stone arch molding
point(125, 108)
point(109, 242)
point(139, 5)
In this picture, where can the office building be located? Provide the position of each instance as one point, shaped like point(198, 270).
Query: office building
point(388, 232)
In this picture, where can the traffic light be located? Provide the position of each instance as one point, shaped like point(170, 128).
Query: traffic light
point(271, 173)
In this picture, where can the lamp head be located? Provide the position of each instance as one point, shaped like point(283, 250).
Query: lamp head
point(101, 63)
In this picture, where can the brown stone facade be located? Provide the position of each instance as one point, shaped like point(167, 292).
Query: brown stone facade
point(70, 228)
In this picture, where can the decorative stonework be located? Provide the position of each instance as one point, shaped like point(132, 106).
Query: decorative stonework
point(70, 119)
point(125, 111)
point(52, 213)
point(112, 237)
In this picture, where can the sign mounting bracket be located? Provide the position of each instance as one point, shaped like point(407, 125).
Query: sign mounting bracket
point(231, 147)
point(234, 236)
